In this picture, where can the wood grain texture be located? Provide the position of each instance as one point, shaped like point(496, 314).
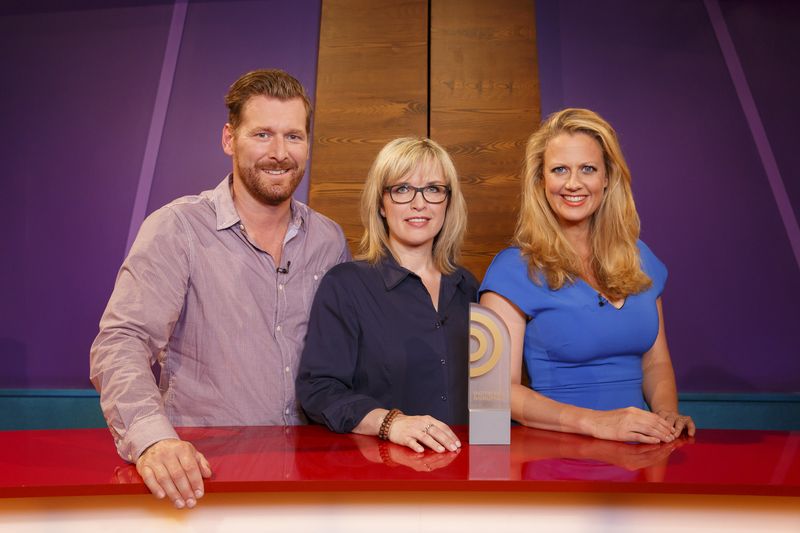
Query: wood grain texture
point(371, 87)
point(484, 103)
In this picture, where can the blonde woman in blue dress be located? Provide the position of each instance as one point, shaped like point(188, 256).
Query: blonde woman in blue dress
point(581, 294)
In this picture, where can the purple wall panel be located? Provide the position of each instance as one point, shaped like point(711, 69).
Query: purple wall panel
point(655, 71)
point(221, 41)
point(81, 86)
point(78, 87)
point(769, 50)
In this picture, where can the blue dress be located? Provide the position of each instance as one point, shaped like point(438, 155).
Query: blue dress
point(578, 351)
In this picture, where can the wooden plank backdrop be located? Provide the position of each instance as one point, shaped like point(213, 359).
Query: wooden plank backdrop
point(375, 59)
point(484, 103)
point(372, 84)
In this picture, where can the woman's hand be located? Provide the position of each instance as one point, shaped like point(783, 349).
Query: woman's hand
point(390, 454)
point(416, 431)
point(630, 456)
point(631, 425)
point(419, 462)
point(678, 422)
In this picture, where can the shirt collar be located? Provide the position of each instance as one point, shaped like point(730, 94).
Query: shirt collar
point(227, 215)
point(392, 273)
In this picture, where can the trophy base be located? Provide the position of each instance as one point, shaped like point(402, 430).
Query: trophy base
point(489, 426)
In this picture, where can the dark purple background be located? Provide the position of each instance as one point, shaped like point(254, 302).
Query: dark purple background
point(80, 81)
point(655, 70)
point(80, 86)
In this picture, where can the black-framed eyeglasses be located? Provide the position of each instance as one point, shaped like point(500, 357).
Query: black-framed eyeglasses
point(403, 193)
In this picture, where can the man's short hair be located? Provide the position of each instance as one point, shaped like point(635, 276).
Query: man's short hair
point(274, 83)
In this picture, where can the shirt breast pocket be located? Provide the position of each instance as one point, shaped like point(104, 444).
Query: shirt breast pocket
point(310, 284)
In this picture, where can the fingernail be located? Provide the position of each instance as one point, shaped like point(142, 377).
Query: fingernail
point(453, 447)
point(458, 443)
point(439, 449)
point(160, 495)
point(198, 493)
point(179, 504)
point(190, 503)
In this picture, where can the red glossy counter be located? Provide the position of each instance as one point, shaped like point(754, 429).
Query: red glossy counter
point(268, 459)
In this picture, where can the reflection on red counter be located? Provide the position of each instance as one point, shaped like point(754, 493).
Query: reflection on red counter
point(310, 458)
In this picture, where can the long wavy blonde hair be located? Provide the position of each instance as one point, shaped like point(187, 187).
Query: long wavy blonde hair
point(395, 160)
point(614, 227)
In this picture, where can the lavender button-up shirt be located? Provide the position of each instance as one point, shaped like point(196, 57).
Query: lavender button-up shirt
point(223, 321)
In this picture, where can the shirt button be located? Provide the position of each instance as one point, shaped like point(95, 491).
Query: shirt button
point(444, 397)
point(280, 287)
point(437, 324)
point(241, 227)
point(443, 361)
point(288, 369)
point(316, 277)
point(287, 411)
point(278, 328)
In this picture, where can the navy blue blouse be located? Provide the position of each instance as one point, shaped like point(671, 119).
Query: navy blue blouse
point(375, 340)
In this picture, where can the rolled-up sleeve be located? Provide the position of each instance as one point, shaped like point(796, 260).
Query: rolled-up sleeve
point(146, 303)
point(325, 385)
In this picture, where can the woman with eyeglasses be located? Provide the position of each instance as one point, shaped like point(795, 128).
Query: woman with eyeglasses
point(385, 352)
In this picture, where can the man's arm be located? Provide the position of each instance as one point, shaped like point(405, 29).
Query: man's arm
point(146, 303)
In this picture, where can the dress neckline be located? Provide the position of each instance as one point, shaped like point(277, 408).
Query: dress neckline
point(602, 301)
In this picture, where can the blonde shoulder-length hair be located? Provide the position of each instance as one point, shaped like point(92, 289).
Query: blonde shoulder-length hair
point(614, 227)
point(396, 160)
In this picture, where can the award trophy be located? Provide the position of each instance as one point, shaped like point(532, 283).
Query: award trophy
point(489, 377)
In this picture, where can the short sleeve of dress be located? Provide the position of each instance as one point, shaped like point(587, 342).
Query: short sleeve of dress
point(653, 267)
point(508, 277)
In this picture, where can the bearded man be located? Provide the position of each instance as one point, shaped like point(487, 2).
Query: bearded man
point(216, 290)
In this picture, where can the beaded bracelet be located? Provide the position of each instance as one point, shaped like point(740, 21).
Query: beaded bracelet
point(383, 432)
point(386, 458)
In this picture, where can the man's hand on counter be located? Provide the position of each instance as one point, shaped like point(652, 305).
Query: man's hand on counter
point(175, 469)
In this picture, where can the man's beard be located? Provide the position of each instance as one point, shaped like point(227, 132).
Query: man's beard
point(264, 189)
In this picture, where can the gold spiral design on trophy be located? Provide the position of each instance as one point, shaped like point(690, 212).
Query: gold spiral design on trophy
point(494, 342)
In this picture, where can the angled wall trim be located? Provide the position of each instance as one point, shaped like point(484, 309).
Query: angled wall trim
point(756, 126)
point(157, 120)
